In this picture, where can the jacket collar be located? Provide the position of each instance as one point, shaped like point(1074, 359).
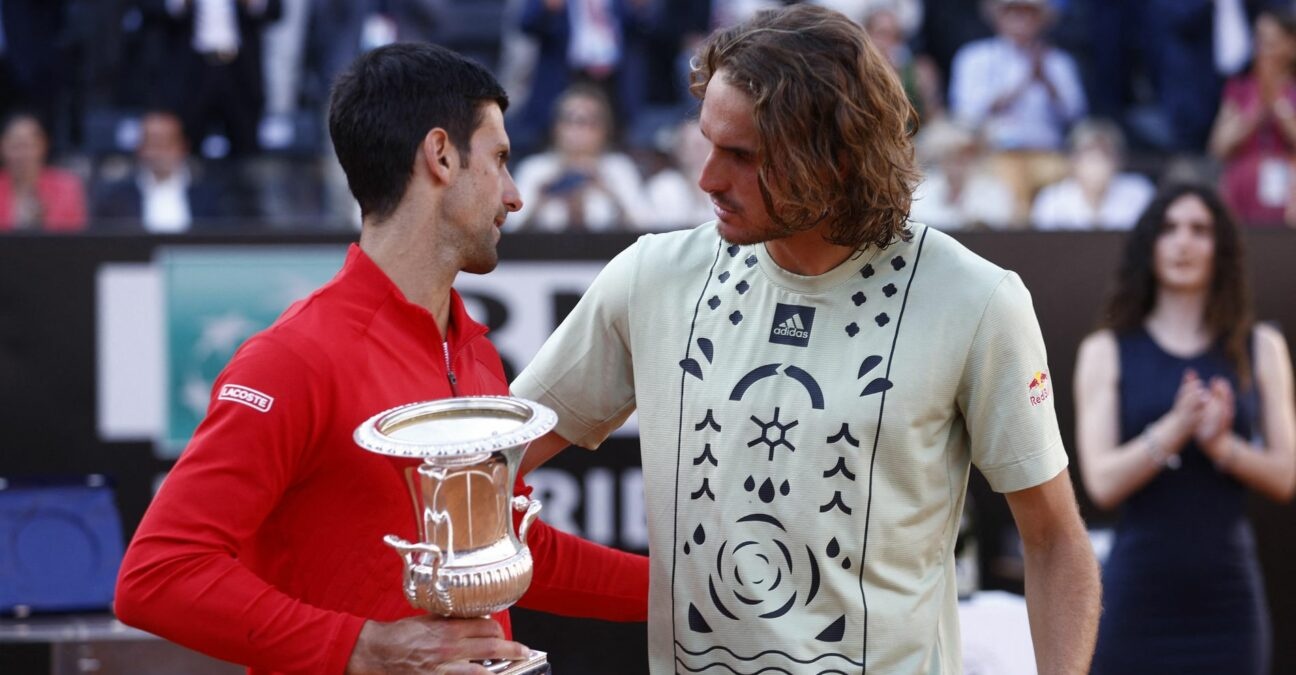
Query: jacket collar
point(369, 285)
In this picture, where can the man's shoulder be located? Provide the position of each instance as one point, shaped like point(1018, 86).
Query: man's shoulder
point(678, 249)
point(944, 255)
point(949, 275)
point(316, 324)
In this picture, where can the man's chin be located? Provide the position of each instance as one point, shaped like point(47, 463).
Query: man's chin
point(740, 236)
point(483, 265)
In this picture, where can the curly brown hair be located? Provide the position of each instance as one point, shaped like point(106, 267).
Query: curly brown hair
point(836, 128)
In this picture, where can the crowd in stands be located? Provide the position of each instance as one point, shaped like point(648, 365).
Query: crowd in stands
point(170, 116)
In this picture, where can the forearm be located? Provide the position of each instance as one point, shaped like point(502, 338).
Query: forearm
point(1112, 476)
point(1063, 600)
point(1230, 131)
point(1269, 472)
point(576, 577)
point(212, 603)
point(1285, 116)
point(1005, 100)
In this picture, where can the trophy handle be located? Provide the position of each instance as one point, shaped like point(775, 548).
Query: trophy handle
point(532, 508)
point(422, 573)
point(407, 550)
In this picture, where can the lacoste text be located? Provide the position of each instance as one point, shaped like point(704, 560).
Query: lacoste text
point(248, 397)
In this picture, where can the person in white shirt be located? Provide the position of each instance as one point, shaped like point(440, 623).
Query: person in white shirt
point(814, 375)
point(165, 194)
point(1096, 196)
point(580, 184)
point(218, 83)
point(957, 191)
point(676, 199)
point(1021, 94)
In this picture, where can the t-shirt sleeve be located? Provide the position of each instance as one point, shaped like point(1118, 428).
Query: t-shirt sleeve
point(1006, 394)
point(584, 370)
point(182, 577)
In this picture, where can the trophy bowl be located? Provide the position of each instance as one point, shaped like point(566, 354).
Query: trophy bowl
point(468, 562)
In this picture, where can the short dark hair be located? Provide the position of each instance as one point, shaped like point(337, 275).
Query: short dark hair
point(387, 101)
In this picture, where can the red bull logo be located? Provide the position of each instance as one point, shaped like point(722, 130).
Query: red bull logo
point(1038, 388)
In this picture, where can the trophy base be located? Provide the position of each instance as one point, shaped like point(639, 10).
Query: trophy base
point(536, 664)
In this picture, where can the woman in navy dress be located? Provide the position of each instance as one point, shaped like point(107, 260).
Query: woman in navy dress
point(1183, 404)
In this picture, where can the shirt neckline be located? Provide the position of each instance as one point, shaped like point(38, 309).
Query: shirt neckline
point(820, 283)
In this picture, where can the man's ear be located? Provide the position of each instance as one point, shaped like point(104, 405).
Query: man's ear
point(439, 154)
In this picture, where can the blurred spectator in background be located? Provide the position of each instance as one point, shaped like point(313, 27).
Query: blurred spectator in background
point(1188, 48)
point(1184, 405)
point(1096, 196)
point(216, 74)
point(577, 41)
point(917, 72)
point(340, 30)
point(32, 68)
point(283, 57)
point(6, 69)
point(165, 194)
point(1117, 26)
point(957, 191)
point(697, 19)
point(947, 25)
point(1255, 132)
point(673, 193)
point(32, 195)
point(908, 13)
point(1021, 94)
point(580, 184)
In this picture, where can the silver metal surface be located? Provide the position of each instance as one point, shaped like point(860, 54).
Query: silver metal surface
point(536, 664)
point(467, 561)
point(455, 427)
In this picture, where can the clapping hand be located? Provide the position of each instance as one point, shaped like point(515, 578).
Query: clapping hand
point(1189, 406)
point(1216, 420)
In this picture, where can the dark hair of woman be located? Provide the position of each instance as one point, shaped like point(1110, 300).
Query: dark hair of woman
point(1228, 308)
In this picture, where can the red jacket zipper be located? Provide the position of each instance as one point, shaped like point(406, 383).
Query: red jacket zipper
point(454, 384)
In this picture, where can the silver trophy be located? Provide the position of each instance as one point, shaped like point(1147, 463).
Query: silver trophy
point(467, 562)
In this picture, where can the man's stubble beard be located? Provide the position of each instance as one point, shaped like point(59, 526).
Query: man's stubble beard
point(771, 232)
point(482, 258)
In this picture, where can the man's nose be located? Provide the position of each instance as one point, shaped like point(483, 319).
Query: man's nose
point(711, 178)
point(512, 198)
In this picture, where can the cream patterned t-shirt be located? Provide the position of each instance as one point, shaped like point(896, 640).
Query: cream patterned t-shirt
point(806, 440)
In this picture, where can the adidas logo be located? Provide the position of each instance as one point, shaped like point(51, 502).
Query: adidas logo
point(792, 325)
